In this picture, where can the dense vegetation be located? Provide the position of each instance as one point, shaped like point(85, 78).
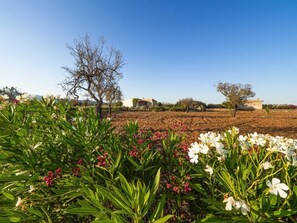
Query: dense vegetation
point(59, 163)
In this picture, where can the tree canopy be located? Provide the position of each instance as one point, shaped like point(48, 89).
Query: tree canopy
point(236, 94)
point(191, 103)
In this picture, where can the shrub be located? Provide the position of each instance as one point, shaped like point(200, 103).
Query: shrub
point(61, 164)
point(246, 178)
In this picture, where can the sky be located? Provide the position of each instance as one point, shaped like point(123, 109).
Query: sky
point(172, 49)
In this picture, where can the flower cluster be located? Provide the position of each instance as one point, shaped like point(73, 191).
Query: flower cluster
point(50, 178)
point(208, 141)
point(251, 142)
point(274, 144)
point(4, 97)
point(76, 170)
point(237, 204)
point(179, 186)
point(102, 160)
point(247, 160)
point(23, 98)
point(159, 136)
point(134, 152)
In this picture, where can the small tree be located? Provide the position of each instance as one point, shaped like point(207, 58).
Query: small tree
point(113, 94)
point(97, 69)
point(236, 94)
point(191, 103)
point(185, 102)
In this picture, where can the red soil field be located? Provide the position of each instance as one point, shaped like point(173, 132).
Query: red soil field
point(274, 122)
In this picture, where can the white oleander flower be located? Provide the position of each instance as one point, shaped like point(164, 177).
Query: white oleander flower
point(19, 202)
point(276, 187)
point(244, 208)
point(209, 170)
point(229, 203)
point(31, 188)
point(266, 165)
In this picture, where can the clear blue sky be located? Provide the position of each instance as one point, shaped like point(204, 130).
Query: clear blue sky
point(172, 49)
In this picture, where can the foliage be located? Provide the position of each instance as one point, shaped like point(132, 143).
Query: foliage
point(58, 163)
point(279, 106)
point(190, 103)
point(236, 94)
point(57, 160)
point(215, 106)
point(97, 70)
point(246, 178)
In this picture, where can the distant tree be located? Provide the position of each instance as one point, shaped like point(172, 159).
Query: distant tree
point(188, 103)
point(236, 94)
point(114, 94)
point(97, 69)
point(11, 92)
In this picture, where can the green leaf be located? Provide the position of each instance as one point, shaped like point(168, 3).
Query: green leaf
point(158, 212)
point(15, 219)
point(35, 212)
point(153, 190)
point(295, 189)
point(118, 160)
point(273, 199)
point(4, 220)
point(4, 179)
point(282, 213)
point(8, 195)
point(104, 221)
point(83, 211)
point(164, 219)
point(125, 185)
point(115, 199)
point(137, 166)
point(210, 218)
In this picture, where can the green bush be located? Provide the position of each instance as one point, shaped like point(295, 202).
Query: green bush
point(62, 164)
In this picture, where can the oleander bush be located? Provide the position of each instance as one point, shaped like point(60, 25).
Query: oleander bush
point(59, 163)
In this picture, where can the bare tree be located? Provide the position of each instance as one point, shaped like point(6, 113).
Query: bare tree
point(97, 69)
point(236, 94)
point(113, 94)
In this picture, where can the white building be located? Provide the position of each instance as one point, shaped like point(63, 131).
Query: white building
point(252, 104)
point(136, 102)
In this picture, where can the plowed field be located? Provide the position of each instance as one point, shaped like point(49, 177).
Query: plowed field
point(276, 122)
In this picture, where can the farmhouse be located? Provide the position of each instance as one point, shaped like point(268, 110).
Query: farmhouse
point(253, 104)
point(136, 102)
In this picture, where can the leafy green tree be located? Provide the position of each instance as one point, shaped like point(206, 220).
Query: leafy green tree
point(188, 103)
point(236, 94)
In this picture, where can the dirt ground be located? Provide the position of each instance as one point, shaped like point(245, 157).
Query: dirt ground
point(276, 122)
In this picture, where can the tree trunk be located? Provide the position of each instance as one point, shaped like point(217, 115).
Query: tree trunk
point(109, 110)
point(99, 110)
point(234, 111)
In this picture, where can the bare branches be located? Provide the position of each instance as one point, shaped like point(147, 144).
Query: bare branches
point(97, 69)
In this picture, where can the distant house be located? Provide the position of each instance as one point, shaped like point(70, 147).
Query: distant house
point(252, 104)
point(136, 102)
